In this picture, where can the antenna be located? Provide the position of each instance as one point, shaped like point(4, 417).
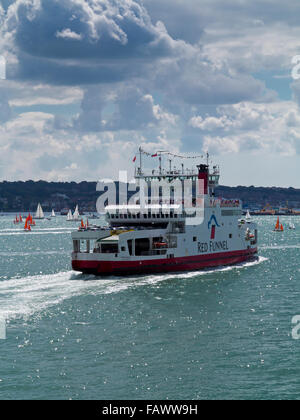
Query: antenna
point(140, 151)
point(160, 152)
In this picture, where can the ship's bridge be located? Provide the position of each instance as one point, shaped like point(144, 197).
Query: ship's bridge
point(213, 176)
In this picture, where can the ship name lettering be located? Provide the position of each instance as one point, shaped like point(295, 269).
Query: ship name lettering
point(216, 246)
point(202, 247)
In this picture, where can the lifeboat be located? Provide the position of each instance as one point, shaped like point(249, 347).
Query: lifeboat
point(160, 245)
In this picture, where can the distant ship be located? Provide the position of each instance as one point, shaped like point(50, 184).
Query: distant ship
point(156, 238)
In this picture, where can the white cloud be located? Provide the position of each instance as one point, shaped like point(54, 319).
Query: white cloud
point(68, 34)
point(171, 75)
point(251, 127)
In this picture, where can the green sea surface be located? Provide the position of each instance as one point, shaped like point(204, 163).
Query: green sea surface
point(218, 334)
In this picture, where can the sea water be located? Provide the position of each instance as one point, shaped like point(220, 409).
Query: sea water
point(224, 333)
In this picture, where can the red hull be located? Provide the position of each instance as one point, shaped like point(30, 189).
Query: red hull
point(197, 262)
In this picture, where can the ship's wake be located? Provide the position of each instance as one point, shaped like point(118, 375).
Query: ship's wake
point(23, 297)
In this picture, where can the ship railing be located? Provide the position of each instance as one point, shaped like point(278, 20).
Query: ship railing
point(167, 173)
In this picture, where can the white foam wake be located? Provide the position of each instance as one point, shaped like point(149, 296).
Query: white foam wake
point(22, 297)
point(280, 247)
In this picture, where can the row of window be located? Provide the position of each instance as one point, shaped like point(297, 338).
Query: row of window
point(145, 216)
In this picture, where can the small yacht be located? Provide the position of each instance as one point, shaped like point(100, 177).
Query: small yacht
point(70, 216)
point(76, 214)
point(292, 226)
point(53, 213)
point(248, 217)
point(39, 213)
point(278, 226)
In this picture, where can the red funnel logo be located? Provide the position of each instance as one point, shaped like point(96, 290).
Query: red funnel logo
point(213, 223)
point(213, 232)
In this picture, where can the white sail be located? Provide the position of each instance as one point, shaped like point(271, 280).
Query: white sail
point(248, 217)
point(76, 214)
point(39, 212)
point(53, 214)
point(69, 216)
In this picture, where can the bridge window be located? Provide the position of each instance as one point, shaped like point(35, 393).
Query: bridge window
point(109, 248)
point(129, 243)
point(142, 246)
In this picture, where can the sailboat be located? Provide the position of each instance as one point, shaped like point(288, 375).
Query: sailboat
point(69, 216)
point(27, 226)
point(39, 212)
point(248, 217)
point(76, 214)
point(278, 226)
point(53, 213)
point(292, 226)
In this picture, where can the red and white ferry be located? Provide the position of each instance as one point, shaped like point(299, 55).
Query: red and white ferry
point(156, 238)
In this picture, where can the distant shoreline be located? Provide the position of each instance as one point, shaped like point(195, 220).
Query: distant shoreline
point(17, 196)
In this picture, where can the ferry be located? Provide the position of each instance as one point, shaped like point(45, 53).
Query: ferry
point(161, 236)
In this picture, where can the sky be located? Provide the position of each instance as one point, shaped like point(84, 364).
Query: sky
point(89, 81)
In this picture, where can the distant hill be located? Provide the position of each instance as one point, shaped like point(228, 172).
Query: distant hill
point(258, 197)
point(22, 196)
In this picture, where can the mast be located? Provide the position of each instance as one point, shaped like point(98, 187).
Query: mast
point(160, 160)
point(140, 168)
